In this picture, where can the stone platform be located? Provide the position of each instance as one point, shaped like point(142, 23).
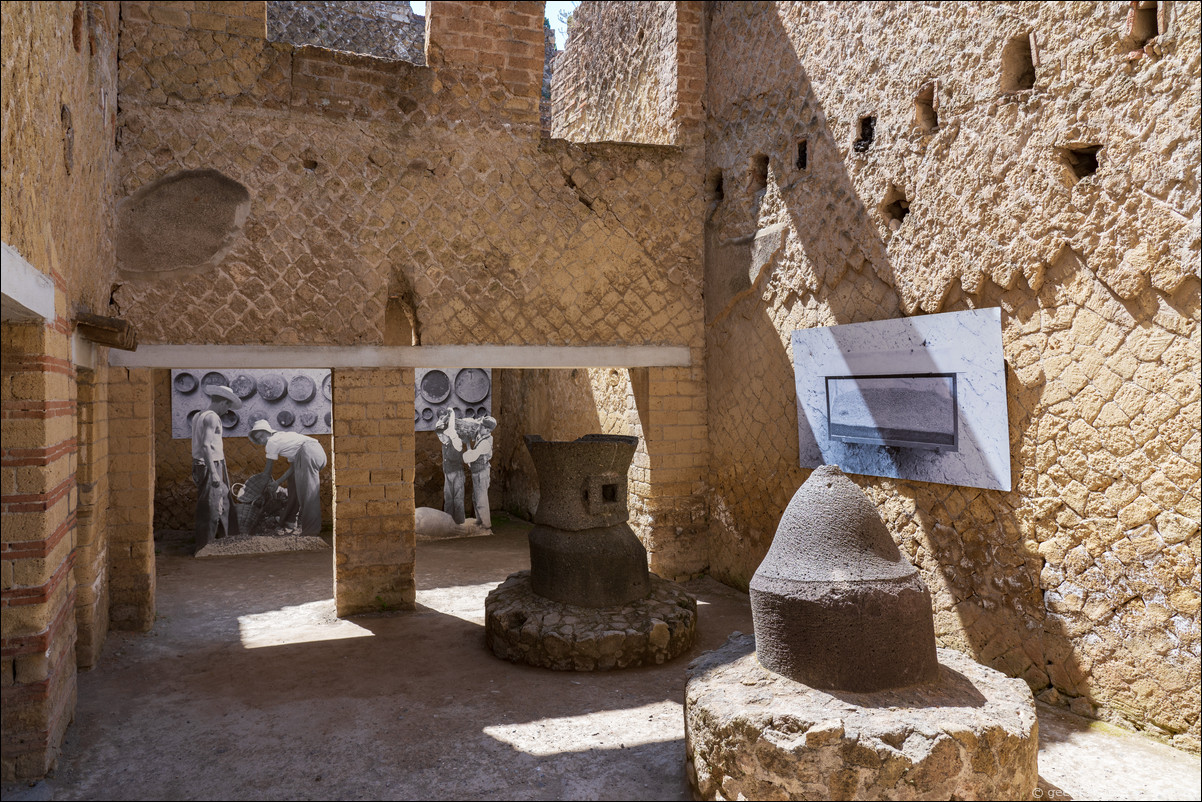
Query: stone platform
point(754, 734)
point(523, 627)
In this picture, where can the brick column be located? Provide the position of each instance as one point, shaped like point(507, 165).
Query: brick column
point(690, 73)
point(668, 487)
point(374, 542)
point(91, 551)
point(37, 592)
point(131, 499)
point(487, 36)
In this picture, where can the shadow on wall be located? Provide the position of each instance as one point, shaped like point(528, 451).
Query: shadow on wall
point(789, 245)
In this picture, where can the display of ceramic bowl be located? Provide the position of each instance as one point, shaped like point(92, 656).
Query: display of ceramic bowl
point(185, 383)
point(435, 386)
point(472, 385)
point(287, 399)
point(272, 386)
point(301, 389)
point(214, 379)
point(243, 386)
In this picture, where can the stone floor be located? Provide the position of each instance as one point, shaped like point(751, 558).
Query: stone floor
point(249, 688)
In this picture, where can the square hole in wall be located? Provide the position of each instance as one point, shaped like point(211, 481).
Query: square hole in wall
point(1144, 22)
point(1018, 65)
point(926, 118)
point(1082, 160)
point(803, 155)
point(867, 134)
point(759, 172)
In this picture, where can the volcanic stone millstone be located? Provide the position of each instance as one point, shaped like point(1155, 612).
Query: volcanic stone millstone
point(835, 605)
point(582, 551)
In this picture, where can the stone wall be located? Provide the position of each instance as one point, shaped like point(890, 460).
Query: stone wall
point(617, 80)
point(974, 186)
point(385, 28)
point(58, 95)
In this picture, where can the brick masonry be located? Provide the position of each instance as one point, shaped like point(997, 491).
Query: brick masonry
point(131, 499)
point(59, 105)
point(374, 541)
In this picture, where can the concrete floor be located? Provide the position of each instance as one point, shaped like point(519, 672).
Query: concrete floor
point(250, 688)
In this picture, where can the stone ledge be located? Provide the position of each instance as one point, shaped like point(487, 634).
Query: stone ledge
point(523, 627)
point(754, 734)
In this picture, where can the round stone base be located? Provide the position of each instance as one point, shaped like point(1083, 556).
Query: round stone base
point(523, 627)
point(754, 734)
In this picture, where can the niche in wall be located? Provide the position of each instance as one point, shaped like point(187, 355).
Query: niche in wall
point(759, 172)
point(1144, 22)
point(926, 117)
point(867, 134)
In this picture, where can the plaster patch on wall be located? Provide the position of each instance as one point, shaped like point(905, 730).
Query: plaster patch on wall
point(180, 223)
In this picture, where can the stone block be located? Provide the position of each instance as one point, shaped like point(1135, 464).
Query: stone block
point(753, 734)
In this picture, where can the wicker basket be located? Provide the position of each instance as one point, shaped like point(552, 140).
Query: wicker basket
point(250, 517)
point(249, 503)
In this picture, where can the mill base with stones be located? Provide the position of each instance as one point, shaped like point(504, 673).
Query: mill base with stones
point(751, 733)
point(524, 627)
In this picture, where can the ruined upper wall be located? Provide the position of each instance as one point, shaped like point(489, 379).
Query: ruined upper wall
point(630, 72)
point(385, 28)
point(372, 178)
point(973, 187)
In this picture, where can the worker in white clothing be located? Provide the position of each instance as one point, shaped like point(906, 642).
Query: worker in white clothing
point(305, 458)
point(477, 457)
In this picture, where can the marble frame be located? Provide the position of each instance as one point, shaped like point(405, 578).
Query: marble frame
point(963, 346)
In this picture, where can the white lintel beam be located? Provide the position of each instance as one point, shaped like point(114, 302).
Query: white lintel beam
point(403, 356)
point(28, 293)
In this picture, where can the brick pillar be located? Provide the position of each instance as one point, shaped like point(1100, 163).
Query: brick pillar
point(504, 39)
point(374, 542)
point(131, 499)
point(690, 73)
point(668, 473)
point(37, 591)
point(91, 551)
